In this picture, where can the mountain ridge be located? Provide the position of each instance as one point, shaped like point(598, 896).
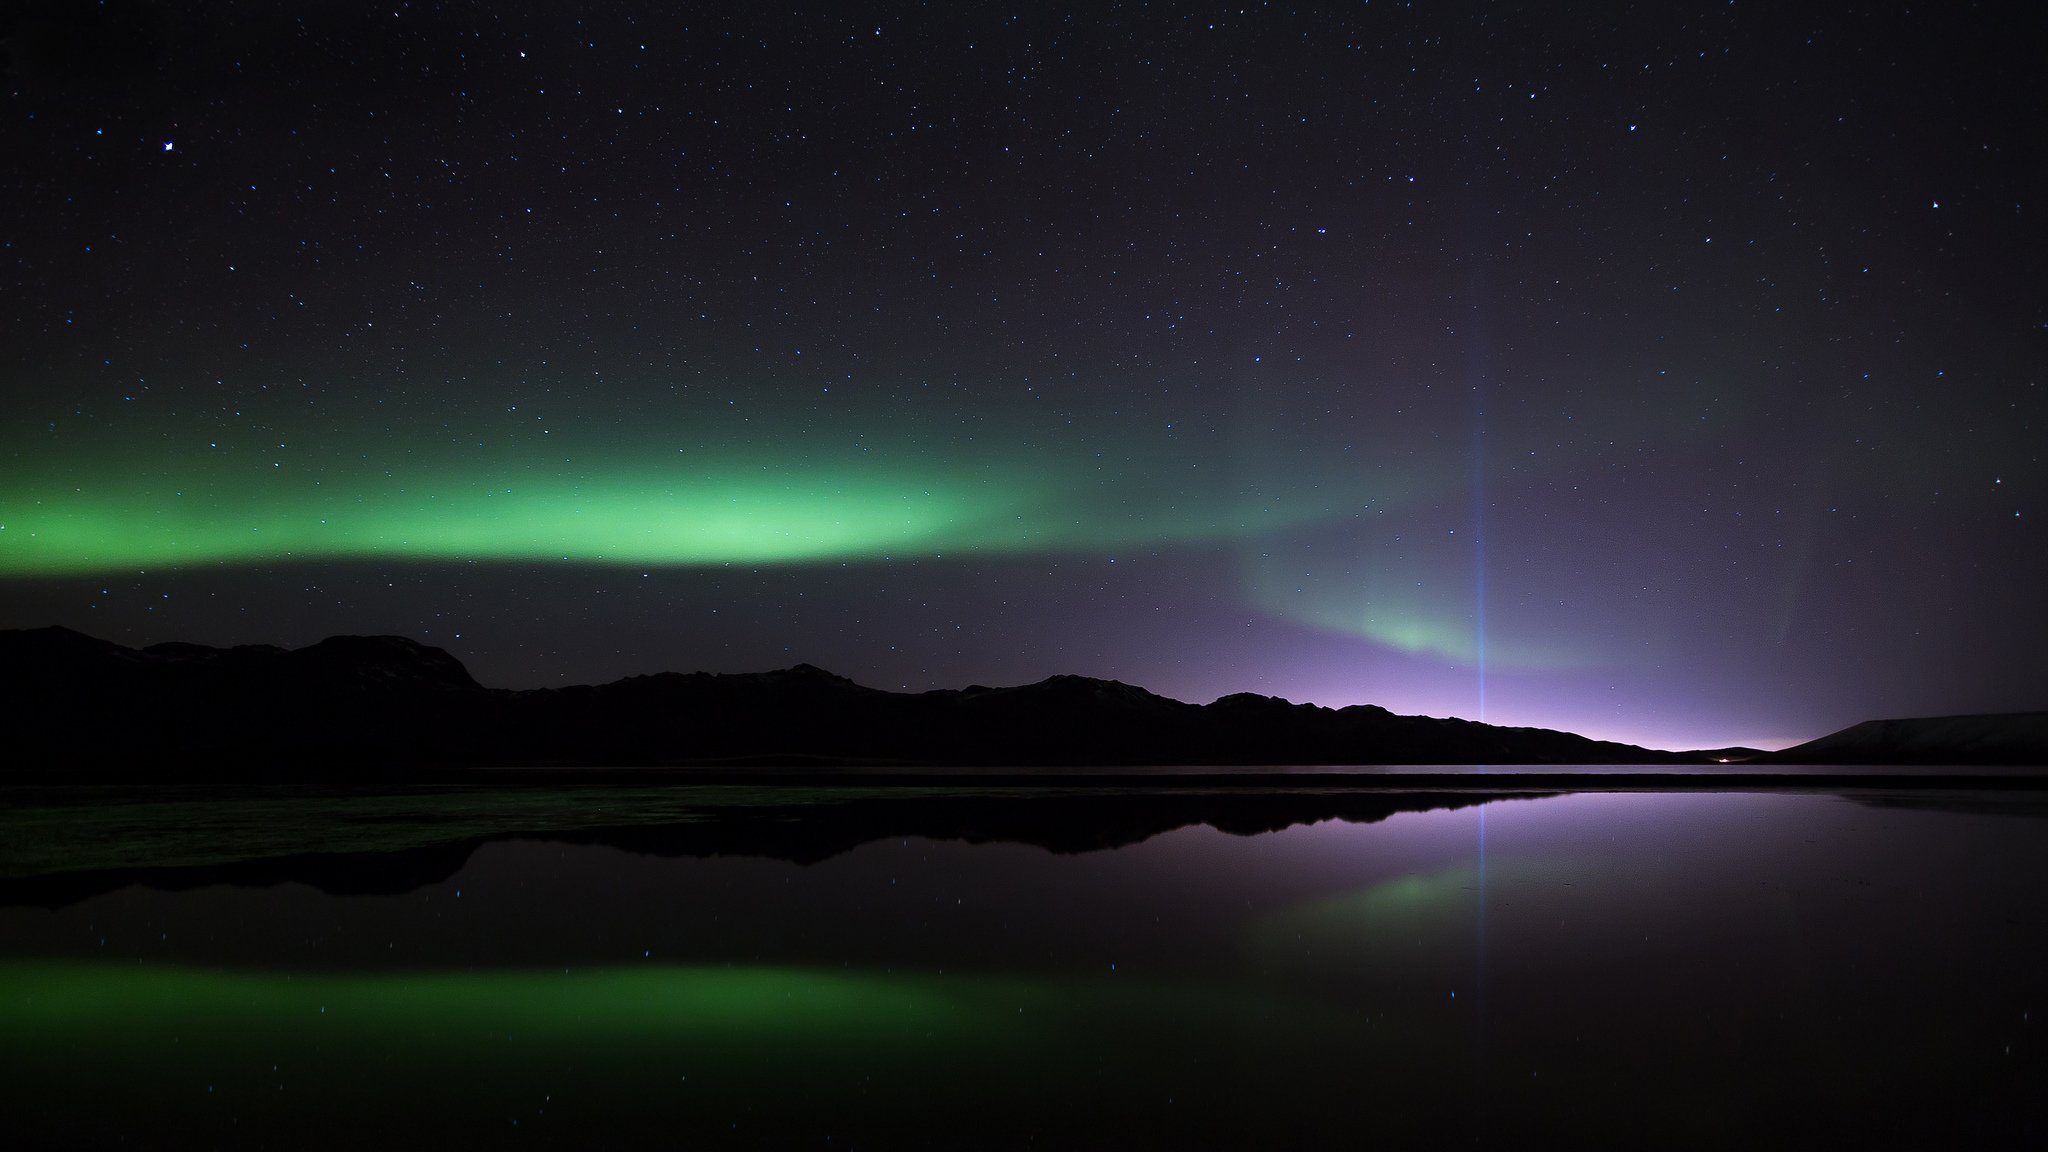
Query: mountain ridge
point(391, 706)
point(1971, 738)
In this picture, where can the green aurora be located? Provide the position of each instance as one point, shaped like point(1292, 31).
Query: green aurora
point(781, 499)
point(1317, 535)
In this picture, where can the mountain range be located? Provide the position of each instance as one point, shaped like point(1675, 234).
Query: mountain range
point(86, 708)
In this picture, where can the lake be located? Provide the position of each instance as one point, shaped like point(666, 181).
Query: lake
point(723, 966)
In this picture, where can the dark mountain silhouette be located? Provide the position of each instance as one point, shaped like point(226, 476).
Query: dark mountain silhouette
point(85, 708)
point(2004, 738)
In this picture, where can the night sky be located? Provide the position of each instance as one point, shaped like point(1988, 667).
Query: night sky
point(1669, 373)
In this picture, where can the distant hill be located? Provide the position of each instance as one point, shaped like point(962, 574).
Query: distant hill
point(2002, 738)
point(87, 708)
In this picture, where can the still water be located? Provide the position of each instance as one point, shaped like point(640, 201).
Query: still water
point(1615, 969)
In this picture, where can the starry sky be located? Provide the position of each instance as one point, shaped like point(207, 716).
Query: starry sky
point(1667, 373)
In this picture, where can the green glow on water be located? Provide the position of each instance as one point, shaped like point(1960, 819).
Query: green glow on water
point(791, 1010)
point(609, 1006)
point(332, 1060)
point(1422, 923)
point(657, 1053)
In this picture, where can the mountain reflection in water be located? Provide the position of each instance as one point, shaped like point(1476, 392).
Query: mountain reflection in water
point(1694, 969)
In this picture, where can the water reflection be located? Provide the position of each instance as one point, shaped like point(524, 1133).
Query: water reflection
point(1691, 969)
point(74, 847)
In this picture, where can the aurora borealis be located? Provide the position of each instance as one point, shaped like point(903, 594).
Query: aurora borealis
point(1674, 379)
